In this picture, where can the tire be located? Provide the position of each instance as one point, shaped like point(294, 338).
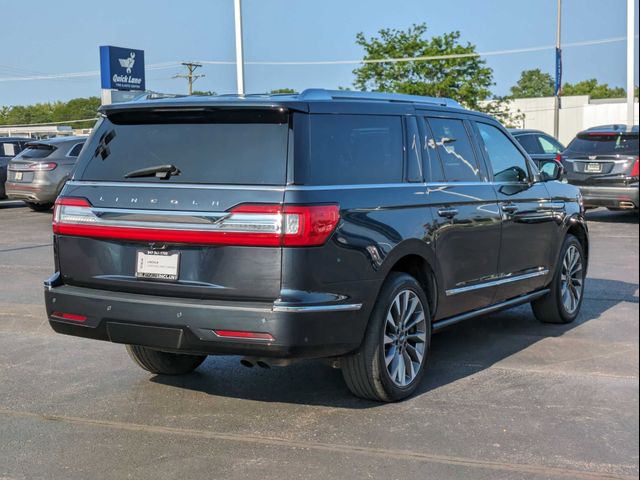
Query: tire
point(553, 307)
point(164, 363)
point(39, 207)
point(366, 372)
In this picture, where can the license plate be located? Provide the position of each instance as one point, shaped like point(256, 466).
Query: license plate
point(158, 265)
point(18, 176)
point(593, 168)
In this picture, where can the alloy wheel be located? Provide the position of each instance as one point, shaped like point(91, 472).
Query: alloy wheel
point(405, 338)
point(571, 279)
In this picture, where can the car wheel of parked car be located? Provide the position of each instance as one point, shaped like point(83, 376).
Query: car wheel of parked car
point(563, 302)
point(391, 361)
point(164, 363)
point(39, 207)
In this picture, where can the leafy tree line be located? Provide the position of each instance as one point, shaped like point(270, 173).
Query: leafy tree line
point(76, 109)
point(536, 83)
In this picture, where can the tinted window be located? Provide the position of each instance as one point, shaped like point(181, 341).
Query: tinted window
point(509, 165)
point(36, 151)
point(549, 144)
point(593, 144)
point(452, 142)
point(530, 144)
point(218, 147)
point(75, 151)
point(352, 149)
point(414, 158)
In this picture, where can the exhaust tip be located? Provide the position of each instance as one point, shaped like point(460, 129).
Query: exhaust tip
point(246, 363)
point(262, 364)
point(627, 205)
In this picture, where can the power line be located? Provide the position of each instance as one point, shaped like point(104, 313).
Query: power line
point(166, 65)
point(190, 76)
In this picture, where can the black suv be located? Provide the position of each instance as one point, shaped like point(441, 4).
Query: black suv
point(603, 162)
point(343, 225)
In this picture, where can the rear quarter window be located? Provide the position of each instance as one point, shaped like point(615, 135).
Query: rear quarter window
point(352, 149)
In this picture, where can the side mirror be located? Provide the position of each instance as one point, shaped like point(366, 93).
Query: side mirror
point(551, 170)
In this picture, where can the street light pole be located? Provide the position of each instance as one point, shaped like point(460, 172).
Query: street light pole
point(631, 45)
point(556, 109)
point(237, 10)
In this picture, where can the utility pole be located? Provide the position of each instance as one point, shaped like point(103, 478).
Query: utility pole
point(631, 45)
point(237, 13)
point(190, 76)
point(556, 103)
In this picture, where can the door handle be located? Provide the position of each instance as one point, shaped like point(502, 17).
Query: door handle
point(509, 208)
point(448, 212)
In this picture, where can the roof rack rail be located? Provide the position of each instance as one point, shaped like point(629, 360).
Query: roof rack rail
point(322, 94)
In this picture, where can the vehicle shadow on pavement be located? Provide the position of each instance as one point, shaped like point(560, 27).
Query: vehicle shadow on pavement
point(458, 352)
point(606, 216)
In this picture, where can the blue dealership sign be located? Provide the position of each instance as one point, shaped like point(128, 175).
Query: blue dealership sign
point(121, 68)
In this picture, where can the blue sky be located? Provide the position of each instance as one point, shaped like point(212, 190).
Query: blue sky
point(63, 36)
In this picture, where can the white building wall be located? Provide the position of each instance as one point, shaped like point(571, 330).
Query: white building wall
point(577, 113)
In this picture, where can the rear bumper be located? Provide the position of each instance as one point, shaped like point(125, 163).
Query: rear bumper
point(610, 196)
point(187, 325)
point(32, 192)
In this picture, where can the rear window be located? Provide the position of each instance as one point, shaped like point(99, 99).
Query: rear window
point(36, 151)
point(604, 144)
point(352, 149)
point(245, 147)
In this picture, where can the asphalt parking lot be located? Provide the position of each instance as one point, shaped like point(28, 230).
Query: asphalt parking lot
point(504, 398)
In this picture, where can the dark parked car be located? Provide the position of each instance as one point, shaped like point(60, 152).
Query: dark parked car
point(344, 225)
point(603, 163)
point(9, 148)
point(540, 146)
point(40, 171)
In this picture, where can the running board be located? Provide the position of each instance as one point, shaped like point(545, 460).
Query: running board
point(514, 302)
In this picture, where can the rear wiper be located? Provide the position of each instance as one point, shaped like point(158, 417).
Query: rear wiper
point(163, 172)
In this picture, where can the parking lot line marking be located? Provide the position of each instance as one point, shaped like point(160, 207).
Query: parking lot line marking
point(25, 248)
point(557, 472)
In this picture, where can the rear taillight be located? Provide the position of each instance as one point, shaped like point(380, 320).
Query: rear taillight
point(635, 170)
point(38, 167)
point(246, 225)
point(559, 157)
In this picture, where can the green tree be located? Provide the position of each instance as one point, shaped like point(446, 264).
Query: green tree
point(533, 83)
point(282, 90)
point(467, 79)
point(594, 89)
point(203, 93)
point(75, 109)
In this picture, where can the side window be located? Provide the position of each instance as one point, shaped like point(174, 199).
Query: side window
point(453, 144)
point(352, 149)
point(414, 157)
point(530, 143)
point(509, 165)
point(75, 151)
point(549, 145)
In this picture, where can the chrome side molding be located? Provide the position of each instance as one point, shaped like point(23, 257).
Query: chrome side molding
point(508, 278)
